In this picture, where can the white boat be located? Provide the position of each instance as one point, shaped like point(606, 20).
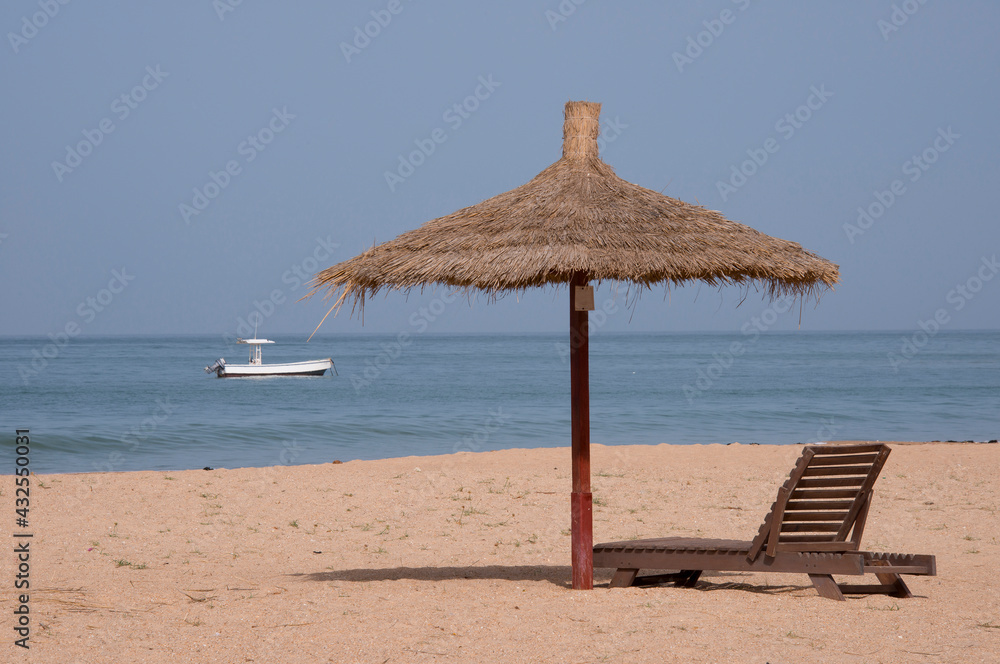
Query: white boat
point(256, 367)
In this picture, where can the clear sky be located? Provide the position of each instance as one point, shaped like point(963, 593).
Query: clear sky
point(172, 167)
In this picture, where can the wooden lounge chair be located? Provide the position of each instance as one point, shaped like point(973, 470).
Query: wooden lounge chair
point(814, 527)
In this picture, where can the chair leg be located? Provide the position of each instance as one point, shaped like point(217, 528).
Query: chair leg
point(826, 586)
point(623, 578)
point(690, 578)
point(894, 585)
point(894, 582)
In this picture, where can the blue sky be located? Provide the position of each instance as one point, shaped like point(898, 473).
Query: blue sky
point(175, 167)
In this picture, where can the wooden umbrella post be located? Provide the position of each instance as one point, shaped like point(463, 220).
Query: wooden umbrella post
point(580, 131)
point(581, 299)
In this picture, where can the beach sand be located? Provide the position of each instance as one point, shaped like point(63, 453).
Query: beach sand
point(465, 558)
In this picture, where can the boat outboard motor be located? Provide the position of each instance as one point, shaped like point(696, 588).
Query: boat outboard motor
point(217, 367)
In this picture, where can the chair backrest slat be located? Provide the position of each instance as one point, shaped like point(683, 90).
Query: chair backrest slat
point(809, 538)
point(795, 505)
point(787, 527)
point(813, 516)
point(807, 483)
point(867, 448)
point(806, 494)
point(843, 460)
point(843, 471)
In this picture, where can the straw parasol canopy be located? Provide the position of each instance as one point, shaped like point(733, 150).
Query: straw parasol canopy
point(578, 216)
point(575, 223)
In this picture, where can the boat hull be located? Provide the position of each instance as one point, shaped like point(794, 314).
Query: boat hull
point(308, 368)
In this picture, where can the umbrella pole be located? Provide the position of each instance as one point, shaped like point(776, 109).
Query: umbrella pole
point(581, 502)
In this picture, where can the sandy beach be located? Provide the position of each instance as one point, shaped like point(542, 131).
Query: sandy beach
point(465, 558)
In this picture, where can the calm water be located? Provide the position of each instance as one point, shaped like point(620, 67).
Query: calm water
point(144, 403)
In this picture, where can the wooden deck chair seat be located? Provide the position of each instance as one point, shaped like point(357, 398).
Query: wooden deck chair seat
point(814, 527)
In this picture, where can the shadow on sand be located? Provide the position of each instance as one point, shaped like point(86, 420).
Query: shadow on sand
point(559, 575)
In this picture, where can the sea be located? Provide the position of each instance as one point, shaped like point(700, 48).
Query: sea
point(145, 403)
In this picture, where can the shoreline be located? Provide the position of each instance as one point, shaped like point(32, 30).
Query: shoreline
point(466, 556)
point(529, 449)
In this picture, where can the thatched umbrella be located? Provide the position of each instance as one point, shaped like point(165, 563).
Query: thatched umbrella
point(575, 223)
